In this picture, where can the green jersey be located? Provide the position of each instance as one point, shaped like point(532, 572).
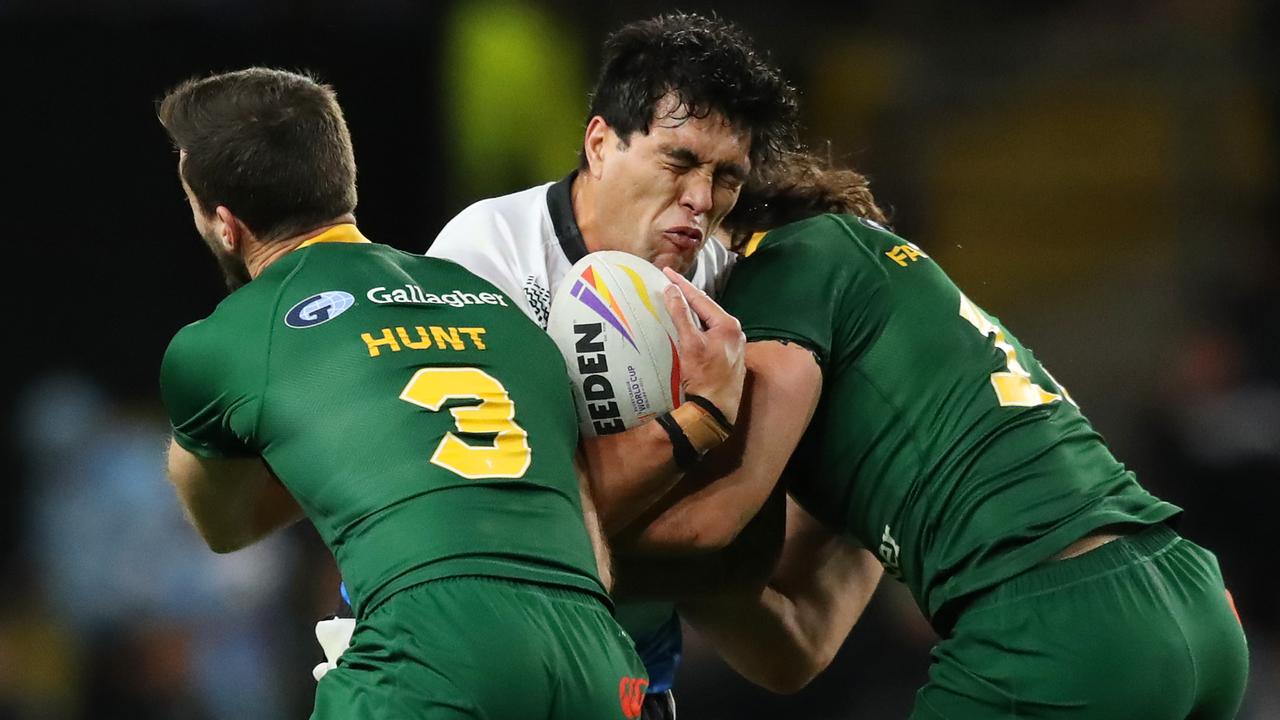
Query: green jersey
point(420, 419)
point(938, 442)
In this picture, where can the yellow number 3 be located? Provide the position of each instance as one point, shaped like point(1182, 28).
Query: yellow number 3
point(507, 457)
point(1013, 388)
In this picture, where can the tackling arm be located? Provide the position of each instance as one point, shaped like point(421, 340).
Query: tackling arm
point(744, 566)
point(711, 505)
point(632, 470)
point(781, 637)
point(232, 503)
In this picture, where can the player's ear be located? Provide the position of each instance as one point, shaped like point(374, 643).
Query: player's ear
point(594, 144)
point(230, 230)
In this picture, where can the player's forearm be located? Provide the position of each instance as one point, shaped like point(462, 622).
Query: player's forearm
point(783, 636)
point(705, 511)
point(760, 635)
point(742, 567)
point(629, 472)
point(780, 638)
point(231, 503)
point(712, 503)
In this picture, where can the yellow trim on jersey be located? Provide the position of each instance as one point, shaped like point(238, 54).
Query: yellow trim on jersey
point(754, 243)
point(344, 233)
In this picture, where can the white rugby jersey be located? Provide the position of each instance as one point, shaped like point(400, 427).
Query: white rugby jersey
point(525, 243)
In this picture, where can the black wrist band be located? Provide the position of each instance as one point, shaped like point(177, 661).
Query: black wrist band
point(712, 410)
point(683, 451)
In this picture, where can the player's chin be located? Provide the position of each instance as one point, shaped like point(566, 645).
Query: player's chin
point(679, 260)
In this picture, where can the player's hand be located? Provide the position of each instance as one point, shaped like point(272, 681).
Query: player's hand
point(712, 361)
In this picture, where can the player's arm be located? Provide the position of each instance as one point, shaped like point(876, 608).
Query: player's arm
point(631, 470)
point(232, 502)
point(711, 505)
point(591, 518)
point(781, 637)
point(744, 566)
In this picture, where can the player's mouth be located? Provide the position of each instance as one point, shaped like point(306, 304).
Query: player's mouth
point(684, 237)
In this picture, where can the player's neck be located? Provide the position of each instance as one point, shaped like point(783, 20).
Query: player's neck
point(258, 256)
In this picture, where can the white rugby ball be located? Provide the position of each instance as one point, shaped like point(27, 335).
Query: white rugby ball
point(610, 322)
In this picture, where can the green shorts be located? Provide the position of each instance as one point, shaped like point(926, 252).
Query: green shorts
point(1142, 627)
point(480, 647)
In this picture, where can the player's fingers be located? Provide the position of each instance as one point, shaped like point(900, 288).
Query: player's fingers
point(710, 313)
point(678, 309)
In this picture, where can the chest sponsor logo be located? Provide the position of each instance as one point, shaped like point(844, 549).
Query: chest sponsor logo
point(415, 295)
point(319, 309)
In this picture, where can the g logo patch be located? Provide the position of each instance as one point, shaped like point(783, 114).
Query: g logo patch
point(319, 309)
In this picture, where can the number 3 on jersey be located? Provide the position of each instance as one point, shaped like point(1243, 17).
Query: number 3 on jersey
point(507, 457)
point(1013, 388)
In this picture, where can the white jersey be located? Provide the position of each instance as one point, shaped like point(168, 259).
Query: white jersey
point(525, 243)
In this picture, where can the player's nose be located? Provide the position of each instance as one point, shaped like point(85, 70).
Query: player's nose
point(696, 193)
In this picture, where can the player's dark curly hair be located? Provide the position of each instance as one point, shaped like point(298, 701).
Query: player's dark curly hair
point(270, 145)
point(709, 65)
point(798, 185)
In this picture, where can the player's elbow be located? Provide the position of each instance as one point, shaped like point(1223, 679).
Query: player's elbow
point(713, 533)
point(223, 544)
point(219, 538)
point(794, 673)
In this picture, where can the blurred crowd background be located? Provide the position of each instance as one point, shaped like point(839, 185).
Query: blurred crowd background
point(1101, 175)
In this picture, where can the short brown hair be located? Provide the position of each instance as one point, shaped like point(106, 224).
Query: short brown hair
point(270, 145)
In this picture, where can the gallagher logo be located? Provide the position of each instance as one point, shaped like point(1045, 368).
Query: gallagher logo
point(319, 309)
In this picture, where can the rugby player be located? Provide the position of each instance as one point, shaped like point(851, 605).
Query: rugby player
point(428, 432)
point(912, 422)
point(682, 112)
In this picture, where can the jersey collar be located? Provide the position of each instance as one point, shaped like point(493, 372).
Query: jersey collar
point(753, 244)
point(560, 206)
point(344, 233)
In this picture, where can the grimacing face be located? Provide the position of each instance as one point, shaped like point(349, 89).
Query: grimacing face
point(661, 195)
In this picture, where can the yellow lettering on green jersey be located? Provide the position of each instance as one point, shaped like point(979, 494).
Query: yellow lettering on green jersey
point(475, 333)
point(375, 345)
point(903, 253)
point(424, 338)
point(422, 343)
point(451, 335)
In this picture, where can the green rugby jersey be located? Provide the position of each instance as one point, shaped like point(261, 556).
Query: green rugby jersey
point(938, 442)
point(421, 420)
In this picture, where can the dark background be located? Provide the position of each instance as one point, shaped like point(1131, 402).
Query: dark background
point(1100, 175)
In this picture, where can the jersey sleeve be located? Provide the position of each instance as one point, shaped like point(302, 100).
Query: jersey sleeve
point(205, 408)
point(482, 241)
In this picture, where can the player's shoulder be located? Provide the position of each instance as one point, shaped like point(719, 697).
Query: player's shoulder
point(506, 217)
point(829, 230)
point(236, 322)
point(848, 242)
point(196, 357)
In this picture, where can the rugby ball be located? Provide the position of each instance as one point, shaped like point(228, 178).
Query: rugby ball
point(619, 344)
